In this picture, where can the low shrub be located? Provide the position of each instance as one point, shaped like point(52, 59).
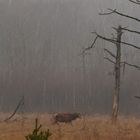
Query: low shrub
point(38, 134)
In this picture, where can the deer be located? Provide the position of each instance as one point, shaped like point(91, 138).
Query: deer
point(65, 117)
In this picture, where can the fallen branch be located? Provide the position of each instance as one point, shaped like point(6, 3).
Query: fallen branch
point(16, 109)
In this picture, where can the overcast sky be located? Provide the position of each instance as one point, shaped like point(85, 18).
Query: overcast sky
point(40, 46)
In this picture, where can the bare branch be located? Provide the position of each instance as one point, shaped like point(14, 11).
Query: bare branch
point(138, 97)
point(132, 31)
point(90, 47)
point(114, 41)
point(109, 52)
point(129, 30)
point(109, 60)
point(119, 13)
point(132, 65)
point(113, 36)
point(108, 13)
point(131, 45)
point(136, 2)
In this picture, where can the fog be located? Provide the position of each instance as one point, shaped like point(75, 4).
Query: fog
point(40, 46)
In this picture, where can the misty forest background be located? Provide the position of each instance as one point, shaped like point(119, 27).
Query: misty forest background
point(40, 46)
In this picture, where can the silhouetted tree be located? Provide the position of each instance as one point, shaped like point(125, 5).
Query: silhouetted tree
point(118, 63)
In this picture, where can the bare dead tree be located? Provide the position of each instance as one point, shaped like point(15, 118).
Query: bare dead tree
point(115, 106)
point(116, 61)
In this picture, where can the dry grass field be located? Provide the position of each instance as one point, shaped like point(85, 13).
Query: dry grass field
point(90, 128)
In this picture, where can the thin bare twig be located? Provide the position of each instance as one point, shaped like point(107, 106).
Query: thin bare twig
point(109, 60)
point(138, 97)
point(109, 52)
point(108, 13)
point(132, 65)
point(136, 2)
point(92, 45)
point(114, 11)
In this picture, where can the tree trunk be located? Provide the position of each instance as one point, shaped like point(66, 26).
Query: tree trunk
point(115, 107)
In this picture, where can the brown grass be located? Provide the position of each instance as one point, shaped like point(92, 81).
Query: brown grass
point(92, 128)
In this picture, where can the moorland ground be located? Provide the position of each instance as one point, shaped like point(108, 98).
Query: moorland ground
point(88, 128)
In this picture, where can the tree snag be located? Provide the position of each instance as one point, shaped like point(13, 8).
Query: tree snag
point(115, 59)
point(115, 106)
